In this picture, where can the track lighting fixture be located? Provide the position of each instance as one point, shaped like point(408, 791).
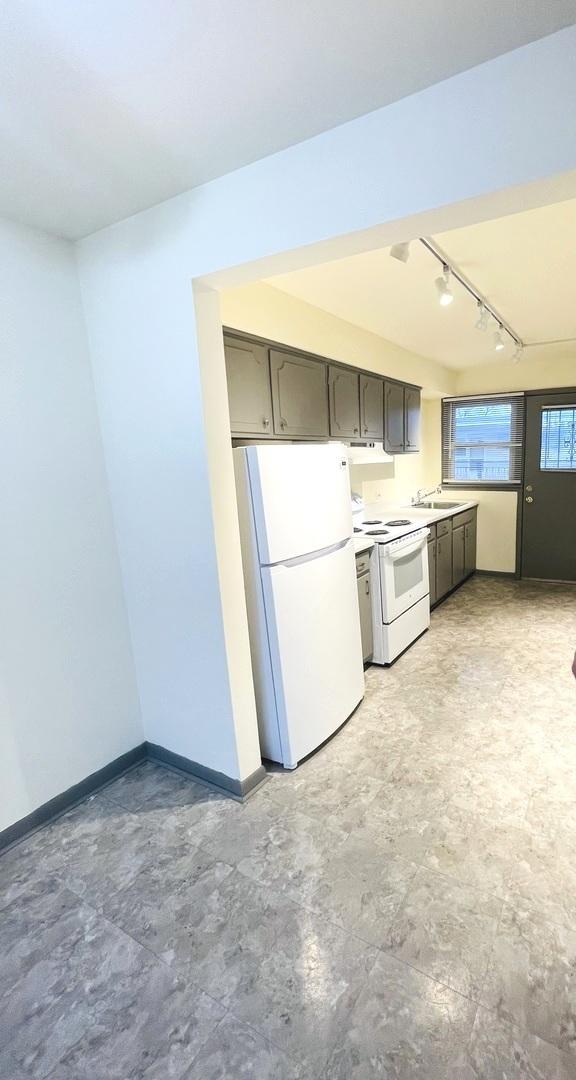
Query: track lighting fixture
point(401, 251)
point(445, 294)
point(482, 321)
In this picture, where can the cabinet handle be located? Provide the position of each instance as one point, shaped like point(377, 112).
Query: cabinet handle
point(282, 423)
point(265, 421)
point(355, 430)
point(365, 430)
point(367, 587)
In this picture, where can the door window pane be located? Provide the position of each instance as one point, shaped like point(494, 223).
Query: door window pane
point(558, 439)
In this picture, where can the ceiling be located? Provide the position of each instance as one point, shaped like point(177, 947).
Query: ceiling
point(107, 108)
point(524, 265)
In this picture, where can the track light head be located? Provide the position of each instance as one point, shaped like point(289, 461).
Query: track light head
point(401, 251)
point(482, 321)
point(445, 294)
point(498, 343)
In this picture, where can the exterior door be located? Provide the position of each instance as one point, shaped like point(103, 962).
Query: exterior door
point(371, 408)
point(344, 403)
point(249, 397)
point(393, 418)
point(549, 492)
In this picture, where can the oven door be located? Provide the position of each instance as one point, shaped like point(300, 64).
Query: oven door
point(403, 575)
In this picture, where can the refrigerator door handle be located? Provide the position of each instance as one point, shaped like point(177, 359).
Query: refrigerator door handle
point(319, 554)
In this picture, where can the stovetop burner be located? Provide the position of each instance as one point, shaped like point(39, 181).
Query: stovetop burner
point(376, 532)
point(357, 530)
point(376, 521)
point(400, 521)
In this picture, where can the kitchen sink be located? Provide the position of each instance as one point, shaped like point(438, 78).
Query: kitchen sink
point(435, 504)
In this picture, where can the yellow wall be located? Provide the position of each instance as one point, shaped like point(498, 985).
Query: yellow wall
point(263, 310)
point(551, 370)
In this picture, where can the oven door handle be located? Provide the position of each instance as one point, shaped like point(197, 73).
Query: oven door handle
point(400, 553)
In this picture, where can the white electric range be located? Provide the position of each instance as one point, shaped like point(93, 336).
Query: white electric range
point(401, 589)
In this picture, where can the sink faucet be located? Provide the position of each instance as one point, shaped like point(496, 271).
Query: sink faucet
point(423, 494)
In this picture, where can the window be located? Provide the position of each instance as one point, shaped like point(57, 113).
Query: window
point(482, 439)
point(558, 439)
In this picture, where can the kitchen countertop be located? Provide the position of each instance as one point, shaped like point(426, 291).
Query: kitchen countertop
point(362, 543)
point(420, 516)
point(430, 517)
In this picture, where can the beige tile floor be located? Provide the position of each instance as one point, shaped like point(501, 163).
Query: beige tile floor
point(401, 906)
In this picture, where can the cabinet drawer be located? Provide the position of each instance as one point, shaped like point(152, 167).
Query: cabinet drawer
point(444, 527)
point(465, 518)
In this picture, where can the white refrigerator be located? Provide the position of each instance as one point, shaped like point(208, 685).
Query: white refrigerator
point(299, 570)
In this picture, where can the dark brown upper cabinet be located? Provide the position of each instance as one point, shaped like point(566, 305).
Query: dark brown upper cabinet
point(401, 418)
point(371, 408)
point(411, 419)
point(394, 418)
point(276, 392)
point(343, 387)
point(249, 395)
point(299, 395)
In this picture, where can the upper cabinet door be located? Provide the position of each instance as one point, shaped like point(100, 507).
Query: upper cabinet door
point(371, 408)
point(393, 418)
point(411, 419)
point(299, 395)
point(249, 396)
point(344, 403)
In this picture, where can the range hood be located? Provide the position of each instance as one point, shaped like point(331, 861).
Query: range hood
point(373, 454)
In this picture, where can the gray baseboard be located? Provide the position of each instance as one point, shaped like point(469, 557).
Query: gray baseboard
point(497, 573)
point(238, 789)
point(60, 804)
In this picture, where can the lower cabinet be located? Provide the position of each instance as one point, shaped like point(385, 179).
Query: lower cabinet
point(451, 553)
point(432, 570)
point(443, 564)
point(365, 604)
point(458, 573)
point(470, 545)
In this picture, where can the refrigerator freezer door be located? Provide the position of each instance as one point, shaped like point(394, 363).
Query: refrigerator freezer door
point(314, 636)
point(301, 498)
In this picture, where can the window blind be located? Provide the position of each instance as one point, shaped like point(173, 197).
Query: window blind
point(482, 440)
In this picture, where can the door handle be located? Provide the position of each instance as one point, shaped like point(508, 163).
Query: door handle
point(367, 587)
point(529, 499)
